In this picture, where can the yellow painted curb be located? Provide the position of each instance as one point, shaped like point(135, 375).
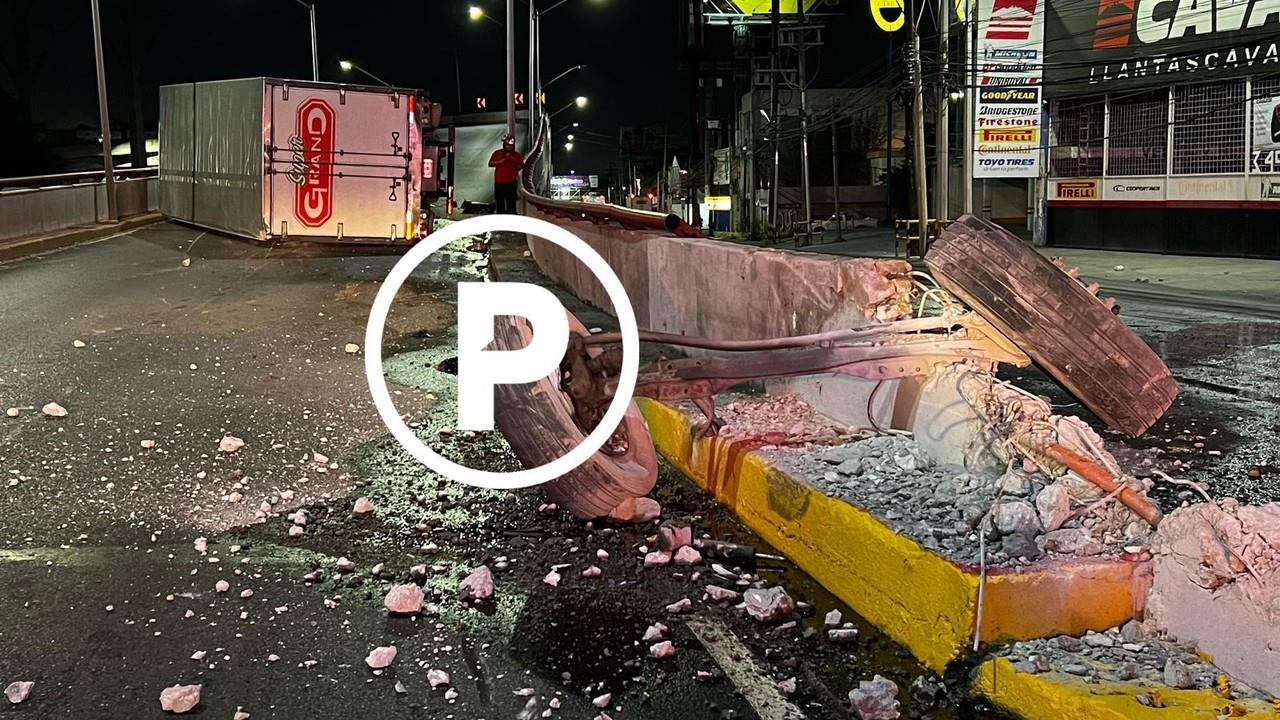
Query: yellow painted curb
point(923, 601)
point(1054, 696)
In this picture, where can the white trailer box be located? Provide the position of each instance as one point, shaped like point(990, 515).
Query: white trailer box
point(268, 158)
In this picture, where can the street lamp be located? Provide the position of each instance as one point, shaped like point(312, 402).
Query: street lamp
point(535, 61)
point(315, 61)
point(579, 101)
point(568, 146)
point(348, 66)
point(104, 116)
point(550, 82)
point(476, 12)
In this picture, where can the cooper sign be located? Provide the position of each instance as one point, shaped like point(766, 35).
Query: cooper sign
point(312, 170)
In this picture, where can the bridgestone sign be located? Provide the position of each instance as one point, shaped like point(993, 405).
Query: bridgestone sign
point(1009, 62)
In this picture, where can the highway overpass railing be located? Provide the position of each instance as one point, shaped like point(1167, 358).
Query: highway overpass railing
point(43, 204)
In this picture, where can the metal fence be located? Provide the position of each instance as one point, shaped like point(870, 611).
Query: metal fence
point(1195, 129)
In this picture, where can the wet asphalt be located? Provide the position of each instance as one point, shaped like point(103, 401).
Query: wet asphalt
point(104, 597)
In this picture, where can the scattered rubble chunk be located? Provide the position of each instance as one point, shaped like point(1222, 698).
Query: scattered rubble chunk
point(842, 635)
point(656, 631)
point(230, 444)
point(602, 701)
point(592, 572)
point(478, 585)
point(240, 715)
point(636, 510)
point(876, 699)
point(53, 409)
point(12, 412)
point(436, 678)
point(833, 618)
point(686, 555)
point(662, 650)
point(363, 508)
point(18, 691)
point(715, 593)
point(296, 531)
point(147, 444)
point(1053, 505)
point(404, 599)
point(180, 698)
point(345, 565)
point(1015, 516)
point(381, 657)
point(680, 606)
point(351, 348)
point(788, 686)
point(673, 537)
point(657, 558)
point(552, 578)
point(222, 586)
point(769, 605)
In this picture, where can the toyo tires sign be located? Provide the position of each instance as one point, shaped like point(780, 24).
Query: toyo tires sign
point(312, 170)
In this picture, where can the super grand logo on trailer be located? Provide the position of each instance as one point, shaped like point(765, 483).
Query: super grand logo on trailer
point(312, 172)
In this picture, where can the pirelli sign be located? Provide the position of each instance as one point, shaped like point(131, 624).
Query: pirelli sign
point(1075, 190)
point(1008, 136)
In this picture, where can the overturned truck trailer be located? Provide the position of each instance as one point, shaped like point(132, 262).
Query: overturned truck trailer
point(266, 158)
point(864, 341)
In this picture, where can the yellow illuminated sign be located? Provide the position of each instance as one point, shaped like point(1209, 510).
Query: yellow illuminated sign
point(962, 10)
point(896, 15)
point(764, 7)
point(719, 202)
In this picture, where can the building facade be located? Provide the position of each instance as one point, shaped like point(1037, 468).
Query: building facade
point(1164, 126)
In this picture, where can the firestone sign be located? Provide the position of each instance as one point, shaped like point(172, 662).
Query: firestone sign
point(1009, 58)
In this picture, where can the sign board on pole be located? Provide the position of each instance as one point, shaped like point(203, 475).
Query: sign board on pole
point(1010, 63)
point(569, 182)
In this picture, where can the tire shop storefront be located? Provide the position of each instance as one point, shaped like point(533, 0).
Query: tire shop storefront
point(1164, 122)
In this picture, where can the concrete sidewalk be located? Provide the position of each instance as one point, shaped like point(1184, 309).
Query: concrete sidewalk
point(13, 248)
point(1244, 284)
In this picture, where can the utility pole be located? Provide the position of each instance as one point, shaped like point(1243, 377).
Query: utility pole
point(104, 116)
point(943, 129)
point(970, 81)
point(803, 37)
point(921, 172)
point(511, 68)
point(532, 92)
point(835, 173)
point(775, 19)
point(315, 60)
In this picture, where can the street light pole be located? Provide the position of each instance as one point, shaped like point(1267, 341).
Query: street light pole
point(315, 59)
point(511, 68)
point(104, 116)
point(531, 92)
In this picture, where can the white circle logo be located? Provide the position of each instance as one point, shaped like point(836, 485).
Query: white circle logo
point(487, 478)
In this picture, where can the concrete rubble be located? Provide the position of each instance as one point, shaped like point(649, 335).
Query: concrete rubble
point(1217, 585)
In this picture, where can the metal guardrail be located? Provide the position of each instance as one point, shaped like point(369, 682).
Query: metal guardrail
point(74, 178)
point(599, 213)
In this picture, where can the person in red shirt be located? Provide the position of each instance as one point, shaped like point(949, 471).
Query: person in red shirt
point(507, 163)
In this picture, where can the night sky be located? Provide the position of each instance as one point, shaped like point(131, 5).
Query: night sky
point(633, 49)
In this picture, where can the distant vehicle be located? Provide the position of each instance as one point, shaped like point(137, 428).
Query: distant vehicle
point(266, 158)
point(846, 221)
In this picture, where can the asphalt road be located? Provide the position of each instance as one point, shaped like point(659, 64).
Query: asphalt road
point(106, 598)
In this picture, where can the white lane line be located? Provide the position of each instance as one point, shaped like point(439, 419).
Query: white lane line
point(736, 661)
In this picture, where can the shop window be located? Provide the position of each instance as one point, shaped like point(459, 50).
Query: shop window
point(1209, 128)
point(1139, 134)
point(1077, 137)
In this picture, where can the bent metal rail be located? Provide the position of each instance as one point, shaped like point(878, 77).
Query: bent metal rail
point(626, 217)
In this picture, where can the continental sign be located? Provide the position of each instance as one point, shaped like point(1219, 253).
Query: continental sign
point(1076, 190)
point(1103, 44)
point(1012, 136)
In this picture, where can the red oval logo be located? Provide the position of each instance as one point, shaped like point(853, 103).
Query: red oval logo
point(313, 198)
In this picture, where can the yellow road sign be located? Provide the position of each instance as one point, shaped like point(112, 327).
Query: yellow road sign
point(764, 7)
